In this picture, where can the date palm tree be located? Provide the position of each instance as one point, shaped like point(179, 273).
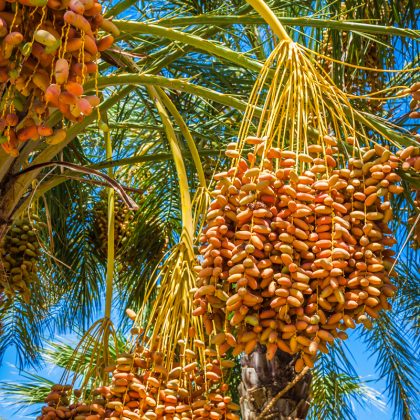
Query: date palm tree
point(203, 57)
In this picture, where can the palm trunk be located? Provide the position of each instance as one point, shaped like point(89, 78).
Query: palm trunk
point(261, 382)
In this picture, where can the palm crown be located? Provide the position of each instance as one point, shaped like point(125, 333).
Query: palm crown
point(202, 58)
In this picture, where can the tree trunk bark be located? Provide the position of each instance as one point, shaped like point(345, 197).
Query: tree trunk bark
point(261, 382)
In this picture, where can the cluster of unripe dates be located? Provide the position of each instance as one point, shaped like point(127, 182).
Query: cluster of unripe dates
point(19, 256)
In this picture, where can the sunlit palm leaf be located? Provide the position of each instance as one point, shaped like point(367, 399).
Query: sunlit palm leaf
point(397, 362)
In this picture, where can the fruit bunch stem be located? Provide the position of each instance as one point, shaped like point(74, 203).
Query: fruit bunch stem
point(267, 14)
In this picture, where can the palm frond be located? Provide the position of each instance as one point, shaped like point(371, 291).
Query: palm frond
point(391, 342)
point(24, 325)
point(23, 394)
point(60, 353)
point(337, 389)
point(335, 394)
